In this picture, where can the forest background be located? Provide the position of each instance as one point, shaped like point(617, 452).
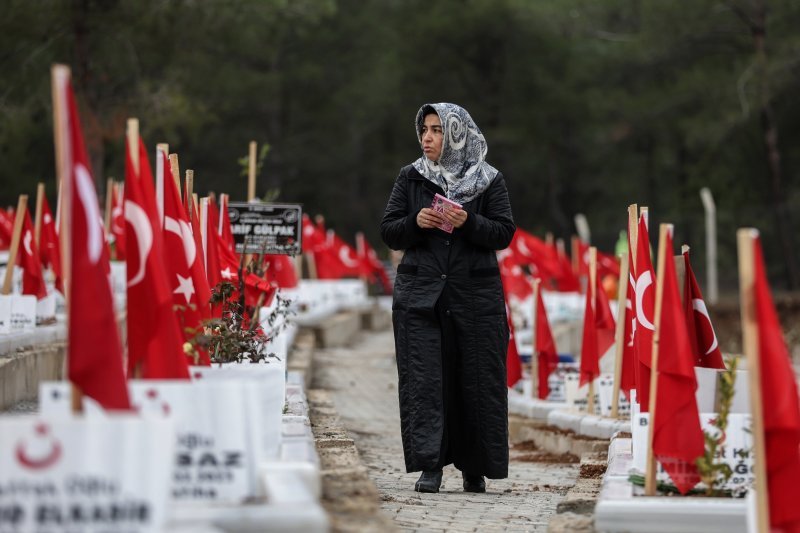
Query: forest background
point(587, 106)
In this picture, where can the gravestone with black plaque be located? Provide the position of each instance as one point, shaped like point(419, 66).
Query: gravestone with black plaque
point(266, 228)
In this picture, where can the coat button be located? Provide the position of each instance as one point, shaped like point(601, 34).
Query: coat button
point(444, 276)
point(447, 243)
point(447, 312)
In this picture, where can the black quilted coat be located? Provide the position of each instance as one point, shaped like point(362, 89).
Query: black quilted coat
point(461, 270)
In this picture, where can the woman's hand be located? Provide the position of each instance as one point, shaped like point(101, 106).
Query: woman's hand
point(428, 218)
point(456, 217)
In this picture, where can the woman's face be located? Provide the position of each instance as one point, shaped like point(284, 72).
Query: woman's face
point(431, 137)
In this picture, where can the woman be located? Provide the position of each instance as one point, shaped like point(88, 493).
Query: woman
point(449, 315)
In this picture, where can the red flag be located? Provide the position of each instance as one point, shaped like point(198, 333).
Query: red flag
point(598, 333)
point(604, 320)
point(94, 353)
point(547, 356)
point(372, 264)
point(338, 259)
point(513, 361)
point(677, 435)
point(190, 294)
point(781, 411)
point(224, 225)
point(50, 246)
point(644, 306)
point(6, 229)
point(698, 322)
point(199, 267)
point(515, 282)
point(155, 342)
point(118, 221)
point(607, 264)
point(590, 357)
point(566, 281)
point(530, 250)
point(228, 263)
point(281, 270)
point(312, 236)
point(28, 260)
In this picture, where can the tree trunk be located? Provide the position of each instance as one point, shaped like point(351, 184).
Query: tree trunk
point(772, 151)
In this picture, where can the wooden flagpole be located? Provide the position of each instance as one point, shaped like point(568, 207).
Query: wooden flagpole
point(59, 80)
point(361, 252)
point(203, 214)
point(188, 183)
point(251, 172)
point(534, 354)
point(133, 142)
point(592, 291)
point(22, 205)
point(745, 238)
point(651, 466)
point(622, 312)
point(109, 204)
point(37, 217)
point(160, 173)
point(176, 175)
point(576, 251)
point(633, 232)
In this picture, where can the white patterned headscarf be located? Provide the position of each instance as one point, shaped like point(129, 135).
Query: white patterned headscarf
point(461, 171)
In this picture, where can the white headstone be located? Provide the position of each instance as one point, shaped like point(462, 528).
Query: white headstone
point(88, 475)
point(23, 313)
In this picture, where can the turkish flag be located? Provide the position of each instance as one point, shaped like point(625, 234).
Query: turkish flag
point(698, 322)
point(224, 225)
point(281, 270)
point(607, 265)
point(94, 353)
point(515, 282)
point(780, 407)
point(372, 264)
point(531, 250)
point(547, 356)
point(513, 362)
point(155, 342)
point(590, 357)
point(338, 259)
point(228, 264)
point(6, 229)
point(566, 281)
point(644, 305)
point(49, 245)
point(312, 236)
point(28, 260)
point(118, 221)
point(677, 435)
point(190, 292)
point(598, 333)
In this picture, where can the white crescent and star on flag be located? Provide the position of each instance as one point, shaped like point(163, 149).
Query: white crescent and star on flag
point(700, 306)
point(644, 281)
point(140, 223)
point(85, 188)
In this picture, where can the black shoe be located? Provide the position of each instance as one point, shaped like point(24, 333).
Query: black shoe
point(473, 483)
point(429, 482)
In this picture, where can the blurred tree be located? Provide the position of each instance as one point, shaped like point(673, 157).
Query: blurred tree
point(587, 106)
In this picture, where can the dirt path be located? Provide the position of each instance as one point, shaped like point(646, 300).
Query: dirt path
point(362, 383)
